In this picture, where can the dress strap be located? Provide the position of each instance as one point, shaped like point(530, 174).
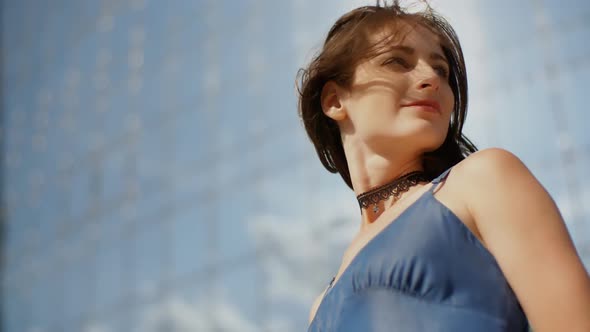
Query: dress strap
point(439, 179)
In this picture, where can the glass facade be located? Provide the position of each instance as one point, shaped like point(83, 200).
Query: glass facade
point(156, 177)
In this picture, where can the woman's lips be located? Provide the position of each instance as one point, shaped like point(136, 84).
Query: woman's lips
point(425, 105)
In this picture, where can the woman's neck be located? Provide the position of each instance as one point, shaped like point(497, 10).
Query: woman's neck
point(370, 170)
point(367, 173)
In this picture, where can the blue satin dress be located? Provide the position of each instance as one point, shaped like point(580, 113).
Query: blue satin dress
point(425, 271)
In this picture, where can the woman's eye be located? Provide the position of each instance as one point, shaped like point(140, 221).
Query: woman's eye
point(442, 71)
point(397, 61)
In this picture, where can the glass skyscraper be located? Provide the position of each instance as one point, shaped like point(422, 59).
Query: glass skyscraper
point(156, 177)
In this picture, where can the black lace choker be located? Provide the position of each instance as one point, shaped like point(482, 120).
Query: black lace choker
point(393, 188)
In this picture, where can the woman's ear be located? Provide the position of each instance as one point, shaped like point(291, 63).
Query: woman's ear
point(331, 100)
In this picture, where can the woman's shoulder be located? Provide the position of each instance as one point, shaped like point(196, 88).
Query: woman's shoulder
point(487, 167)
point(482, 183)
point(315, 306)
point(488, 160)
point(522, 227)
point(497, 190)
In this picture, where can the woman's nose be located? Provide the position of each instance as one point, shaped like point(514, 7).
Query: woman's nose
point(429, 84)
point(428, 79)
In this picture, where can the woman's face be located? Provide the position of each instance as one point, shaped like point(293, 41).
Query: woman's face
point(402, 95)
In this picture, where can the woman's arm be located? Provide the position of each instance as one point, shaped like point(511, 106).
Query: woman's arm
point(522, 227)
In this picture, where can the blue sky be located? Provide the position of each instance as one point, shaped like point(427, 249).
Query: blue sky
point(155, 170)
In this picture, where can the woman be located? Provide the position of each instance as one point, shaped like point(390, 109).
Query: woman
point(450, 239)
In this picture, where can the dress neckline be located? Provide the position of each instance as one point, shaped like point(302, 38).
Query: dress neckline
point(335, 282)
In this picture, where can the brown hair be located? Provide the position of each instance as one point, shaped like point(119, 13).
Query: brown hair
point(346, 46)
